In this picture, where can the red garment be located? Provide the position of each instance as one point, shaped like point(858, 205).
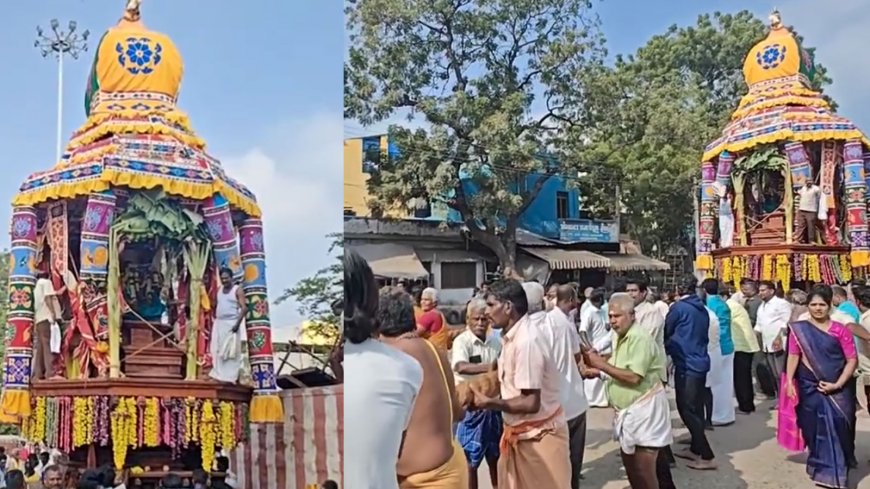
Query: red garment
point(431, 321)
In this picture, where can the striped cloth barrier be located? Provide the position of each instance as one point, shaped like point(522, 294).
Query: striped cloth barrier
point(302, 453)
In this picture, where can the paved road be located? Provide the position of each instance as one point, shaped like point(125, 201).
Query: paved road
point(746, 451)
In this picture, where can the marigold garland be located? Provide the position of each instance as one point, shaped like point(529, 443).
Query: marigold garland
point(846, 268)
point(783, 271)
point(814, 269)
point(152, 423)
point(119, 434)
point(38, 429)
point(227, 425)
point(767, 267)
point(81, 420)
point(188, 421)
point(207, 435)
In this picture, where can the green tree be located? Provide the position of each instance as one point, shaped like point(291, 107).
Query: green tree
point(647, 118)
point(318, 295)
point(472, 70)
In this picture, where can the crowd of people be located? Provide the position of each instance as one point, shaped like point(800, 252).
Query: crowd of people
point(30, 468)
point(513, 386)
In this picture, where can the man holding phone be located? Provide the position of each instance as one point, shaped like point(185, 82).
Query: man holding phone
point(476, 352)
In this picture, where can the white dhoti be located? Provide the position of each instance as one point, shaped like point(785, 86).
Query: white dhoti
point(595, 393)
point(646, 423)
point(226, 351)
point(720, 380)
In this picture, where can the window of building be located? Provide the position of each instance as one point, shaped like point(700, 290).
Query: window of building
point(562, 205)
point(458, 275)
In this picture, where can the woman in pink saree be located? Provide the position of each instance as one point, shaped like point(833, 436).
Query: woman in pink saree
point(821, 361)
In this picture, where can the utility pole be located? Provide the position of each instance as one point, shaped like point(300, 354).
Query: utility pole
point(59, 43)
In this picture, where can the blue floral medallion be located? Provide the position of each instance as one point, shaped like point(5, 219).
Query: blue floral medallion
point(140, 55)
point(771, 56)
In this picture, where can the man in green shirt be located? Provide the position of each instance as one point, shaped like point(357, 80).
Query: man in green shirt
point(634, 388)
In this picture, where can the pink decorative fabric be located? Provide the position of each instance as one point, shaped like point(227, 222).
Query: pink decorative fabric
point(788, 434)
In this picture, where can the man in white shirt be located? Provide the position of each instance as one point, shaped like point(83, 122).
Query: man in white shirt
point(46, 312)
point(808, 209)
point(563, 341)
point(774, 314)
point(474, 353)
point(597, 331)
point(381, 386)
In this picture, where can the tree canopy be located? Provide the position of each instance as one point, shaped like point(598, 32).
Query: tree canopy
point(490, 79)
point(649, 116)
point(511, 88)
point(318, 294)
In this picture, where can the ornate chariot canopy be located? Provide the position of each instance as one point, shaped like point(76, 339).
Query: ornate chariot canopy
point(135, 135)
point(781, 104)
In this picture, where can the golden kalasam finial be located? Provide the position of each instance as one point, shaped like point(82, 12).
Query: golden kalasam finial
point(131, 11)
point(775, 19)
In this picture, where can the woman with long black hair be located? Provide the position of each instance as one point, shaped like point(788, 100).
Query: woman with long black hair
point(821, 361)
point(381, 385)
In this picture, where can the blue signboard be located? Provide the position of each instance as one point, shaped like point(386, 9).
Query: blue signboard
point(588, 231)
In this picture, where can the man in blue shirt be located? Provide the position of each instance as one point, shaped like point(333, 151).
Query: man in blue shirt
point(686, 338)
point(844, 305)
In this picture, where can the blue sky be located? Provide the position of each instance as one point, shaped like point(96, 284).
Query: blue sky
point(262, 85)
point(838, 30)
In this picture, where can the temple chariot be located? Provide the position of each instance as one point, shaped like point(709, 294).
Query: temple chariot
point(133, 227)
point(784, 143)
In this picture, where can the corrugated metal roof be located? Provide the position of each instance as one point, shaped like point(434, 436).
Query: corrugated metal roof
point(568, 259)
point(630, 262)
point(528, 238)
point(391, 260)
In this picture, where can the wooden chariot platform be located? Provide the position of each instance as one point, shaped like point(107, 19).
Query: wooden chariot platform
point(134, 387)
point(779, 249)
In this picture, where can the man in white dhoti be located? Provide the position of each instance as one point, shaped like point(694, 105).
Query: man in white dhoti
point(598, 333)
point(226, 339)
point(643, 419)
point(721, 361)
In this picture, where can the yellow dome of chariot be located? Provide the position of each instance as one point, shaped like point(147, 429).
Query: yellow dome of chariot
point(781, 104)
point(135, 136)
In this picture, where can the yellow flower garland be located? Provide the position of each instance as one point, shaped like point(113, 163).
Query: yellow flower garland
point(91, 420)
point(38, 430)
point(726, 269)
point(188, 420)
point(132, 423)
point(845, 268)
point(81, 420)
point(227, 425)
point(151, 422)
point(119, 434)
point(207, 435)
point(783, 272)
point(767, 267)
point(814, 268)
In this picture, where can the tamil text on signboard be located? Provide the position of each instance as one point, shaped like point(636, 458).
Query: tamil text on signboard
point(589, 231)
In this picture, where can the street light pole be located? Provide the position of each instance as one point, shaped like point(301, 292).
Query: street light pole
point(59, 43)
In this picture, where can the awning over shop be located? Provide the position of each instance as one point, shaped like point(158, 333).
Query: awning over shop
point(634, 262)
point(441, 255)
point(559, 259)
point(391, 260)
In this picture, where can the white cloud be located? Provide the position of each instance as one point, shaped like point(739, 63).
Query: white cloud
point(296, 172)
